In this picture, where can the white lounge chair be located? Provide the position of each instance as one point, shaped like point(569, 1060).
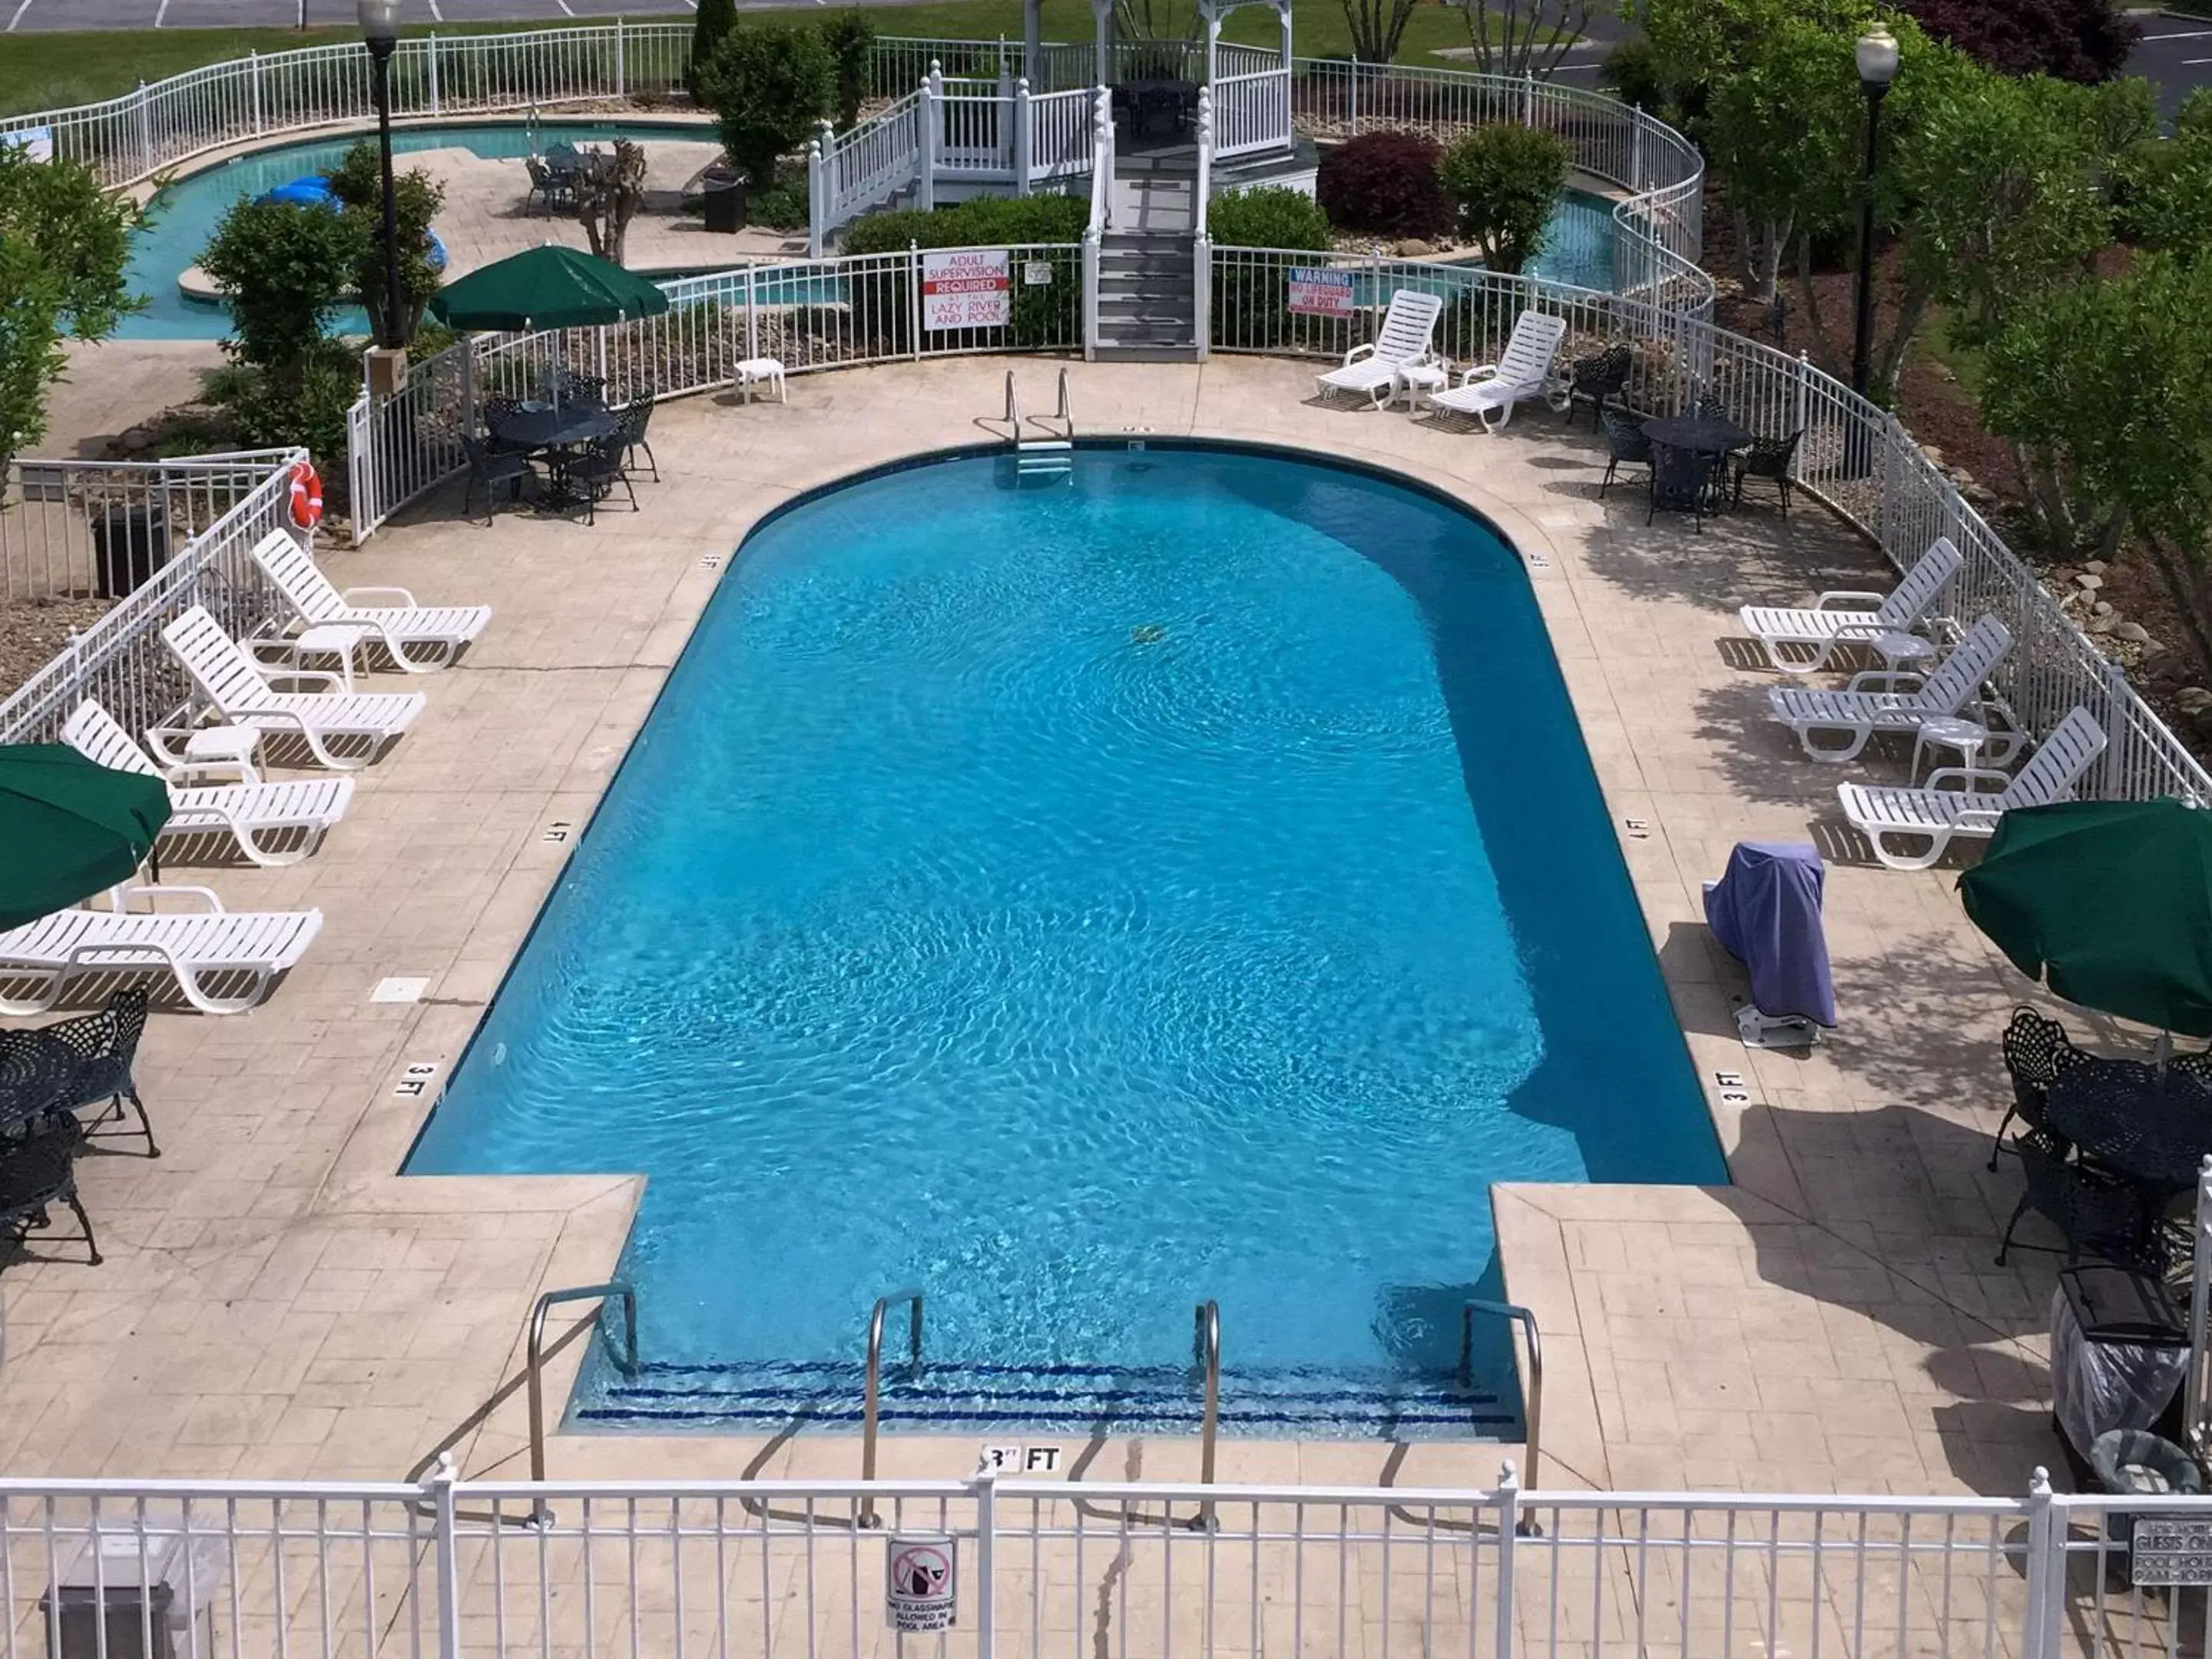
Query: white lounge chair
point(1525, 371)
point(402, 629)
point(229, 679)
point(246, 811)
point(1846, 614)
point(1953, 804)
point(1884, 700)
point(213, 945)
point(1408, 327)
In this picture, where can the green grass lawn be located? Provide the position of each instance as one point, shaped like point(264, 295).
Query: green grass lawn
point(48, 71)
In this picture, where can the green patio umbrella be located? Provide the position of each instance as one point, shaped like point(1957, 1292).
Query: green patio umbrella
point(70, 827)
point(2109, 902)
point(547, 287)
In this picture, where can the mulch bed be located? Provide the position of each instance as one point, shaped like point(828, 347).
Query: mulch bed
point(33, 631)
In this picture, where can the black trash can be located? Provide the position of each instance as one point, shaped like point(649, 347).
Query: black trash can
point(129, 545)
point(726, 201)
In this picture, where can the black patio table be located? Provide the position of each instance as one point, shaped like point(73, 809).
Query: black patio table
point(2150, 1127)
point(1702, 434)
point(555, 431)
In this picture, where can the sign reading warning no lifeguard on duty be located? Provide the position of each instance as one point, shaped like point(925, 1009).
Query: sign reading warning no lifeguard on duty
point(968, 287)
point(920, 1591)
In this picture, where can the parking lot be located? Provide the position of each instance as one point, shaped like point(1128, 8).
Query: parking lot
point(56, 15)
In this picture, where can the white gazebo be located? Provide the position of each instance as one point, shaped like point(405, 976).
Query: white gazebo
point(1251, 86)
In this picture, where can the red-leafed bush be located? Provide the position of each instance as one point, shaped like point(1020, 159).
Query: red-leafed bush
point(1385, 183)
point(2086, 40)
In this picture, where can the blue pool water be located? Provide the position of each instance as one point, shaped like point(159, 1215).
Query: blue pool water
point(1076, 903)
point(186, 213)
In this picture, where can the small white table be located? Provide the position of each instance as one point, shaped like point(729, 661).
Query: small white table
point(1965, 736)
point(226, 745)
point(1411, 379)
point(1901, 651)
point(757, 371)
point(339, 640)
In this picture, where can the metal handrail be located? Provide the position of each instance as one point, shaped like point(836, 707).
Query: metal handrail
point(1512, 1310)
point(1205, 1352)
point(1014, 414)
point(534, 1365)
point(870, 1411)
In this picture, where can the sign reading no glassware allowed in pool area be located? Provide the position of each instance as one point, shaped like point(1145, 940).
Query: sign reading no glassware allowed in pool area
point(969, 287)
point(920, 1591)
point(1318, 293)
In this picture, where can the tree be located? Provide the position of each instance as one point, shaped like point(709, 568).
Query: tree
point(610, 190)
point(2102, 387)
point(2164, 186)
point(358, 182)
point(851, 37)
point(769, 84)
point(1506, 180)
point(1699, 45)
point(285, 268)
point(1377, 26)
point(1529, 37)
point(710, 27)
point(2084, 40)
point(64, 246)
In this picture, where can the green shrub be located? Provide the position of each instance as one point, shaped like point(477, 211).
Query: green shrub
point(1630, 73)
point(851, 37)
point(284, 270)
point(769, 84)
point(1270, 216)
point(1254, 301)
point(710, 27)
point(1506, 180)
point(358, 181)
point(782, 206)
point(1043, 314)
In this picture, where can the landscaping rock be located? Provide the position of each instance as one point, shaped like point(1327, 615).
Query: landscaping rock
point(2102, 608)
point(2095, 567)
point(2133, 633)
point(1413, 248)
point(2099, 625)
point(2088, 583)
point(2191, 698)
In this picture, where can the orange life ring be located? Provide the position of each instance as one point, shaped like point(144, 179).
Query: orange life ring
point(306, 496)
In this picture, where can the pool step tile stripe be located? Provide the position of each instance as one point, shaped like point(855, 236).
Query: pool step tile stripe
point(953, 1397)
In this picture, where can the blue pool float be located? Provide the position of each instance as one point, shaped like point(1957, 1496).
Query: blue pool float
point(311, 192)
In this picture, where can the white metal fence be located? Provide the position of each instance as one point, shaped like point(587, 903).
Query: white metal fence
point(168, 122)
point(1854, 456)
point(214, 518)
point(807, 314)
point(780, 1570)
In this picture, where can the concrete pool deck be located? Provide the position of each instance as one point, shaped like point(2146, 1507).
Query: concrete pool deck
point(276, 1303)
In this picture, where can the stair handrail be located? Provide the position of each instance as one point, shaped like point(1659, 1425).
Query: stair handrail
point(1202, 191)
point(533, 1361)
point(1526, 1321)
point(1014, 414)
point(871, 1399)
point(1101, 161)
point(1205, 1352)
point(1066, 414)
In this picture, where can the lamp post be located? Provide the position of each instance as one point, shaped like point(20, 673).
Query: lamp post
point(380, 27)
point(1877, 59)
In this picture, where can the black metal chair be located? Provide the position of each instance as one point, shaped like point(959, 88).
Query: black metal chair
point(1712, 406)
point(104, 1045)
point(630, 427)
point(37, 1075)
point(37, 1172)
point(496, 412)
point(1681, 482)
point(488, 469)
point(1769, 459)
point(555, 188)
point(1594, 379)
point(1624, 442)
point(2100, 1214)
point(595, 472)
point(568, 386)
point(2036, 1053)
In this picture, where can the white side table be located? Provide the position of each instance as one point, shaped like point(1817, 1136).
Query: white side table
point(339, 640)
point(1901, 651)
point(226, 745)
point(759, 371)
point(1965, 736)
point(1411, 379)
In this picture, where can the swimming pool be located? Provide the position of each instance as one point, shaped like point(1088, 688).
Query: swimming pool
point(185, 214)
point(1076, 903)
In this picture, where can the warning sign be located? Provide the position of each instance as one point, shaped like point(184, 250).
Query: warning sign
point(967, 287)
point(1318, 293)
point(920, 1593)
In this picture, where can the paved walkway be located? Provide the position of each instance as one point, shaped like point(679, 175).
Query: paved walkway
point(276, 1302)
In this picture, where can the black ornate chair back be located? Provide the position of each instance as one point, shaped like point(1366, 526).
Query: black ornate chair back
point(36, 1077)
point(106, 1044)
point(1770, 458)
point(2036, 1051)
point(1624, 442)
point(37, 1172)
point(1594, 378)
point(2100, 1214)
point(1680, 481)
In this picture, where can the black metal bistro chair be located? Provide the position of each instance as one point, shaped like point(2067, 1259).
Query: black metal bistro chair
point(489, 469)
point(595, 470)
point(2100, 1214)
point(1681, 482)
point(37, 1077)
point(569, 385)
point(105, 1044)
point(630, 427)
point(2036, 1053)
point(1594, 378)
point(38, 1171)
point(555, 188)
point(1624, 442)
point(1770, 458)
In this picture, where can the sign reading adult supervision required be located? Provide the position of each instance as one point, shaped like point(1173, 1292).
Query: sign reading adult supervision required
point(967, 287)
point(1318, 293)
point(920, 1591)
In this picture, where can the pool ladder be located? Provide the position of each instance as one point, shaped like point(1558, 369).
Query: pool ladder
point(1049, 456)
point(534, 1365)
